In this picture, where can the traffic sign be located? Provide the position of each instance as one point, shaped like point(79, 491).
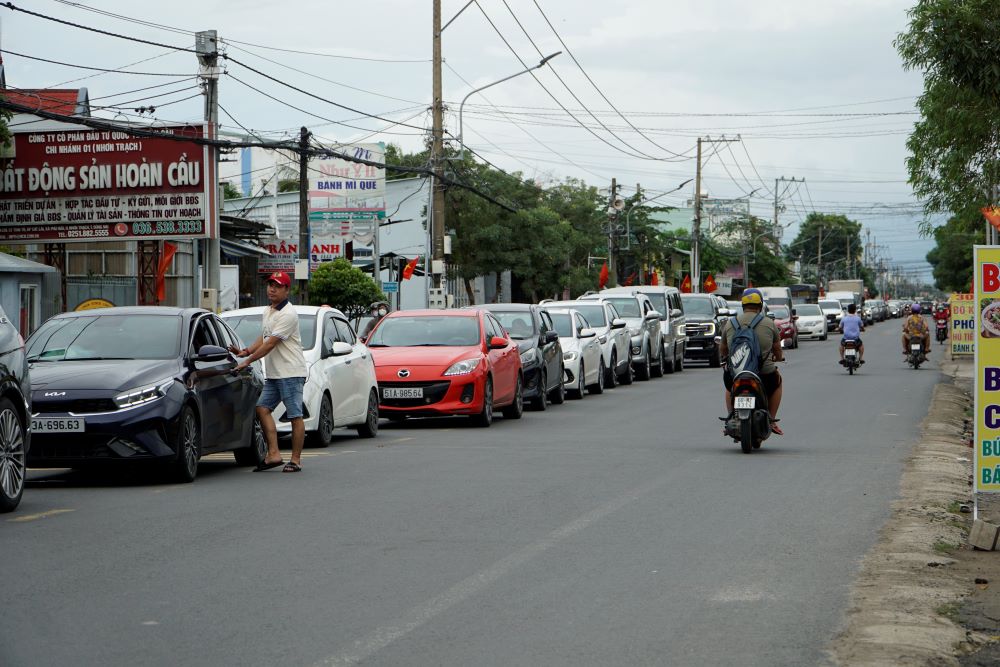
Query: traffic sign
point(390, 287)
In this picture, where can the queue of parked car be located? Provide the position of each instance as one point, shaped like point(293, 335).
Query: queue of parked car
point(157, 386)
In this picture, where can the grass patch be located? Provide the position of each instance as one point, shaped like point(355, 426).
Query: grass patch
point(958, 524)
point(949, 610)
point(943, 547)
point(955, 507)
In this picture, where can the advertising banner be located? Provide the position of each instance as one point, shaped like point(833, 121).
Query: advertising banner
point(963, 324)
point(986, 267)
point(84, 184)
point(724, 286)
point(346, 201)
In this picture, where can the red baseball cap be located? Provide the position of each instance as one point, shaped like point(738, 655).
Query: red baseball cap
point(281, 278)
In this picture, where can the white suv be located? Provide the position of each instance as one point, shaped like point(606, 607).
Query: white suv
point(612, 332)
point(340, 387)
point(643, 322)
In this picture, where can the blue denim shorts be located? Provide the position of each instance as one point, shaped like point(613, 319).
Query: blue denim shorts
point(283, 390)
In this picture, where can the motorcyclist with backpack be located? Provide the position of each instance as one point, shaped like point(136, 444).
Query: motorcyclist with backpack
point(768, 340)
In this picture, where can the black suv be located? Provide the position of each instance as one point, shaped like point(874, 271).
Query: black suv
point(541, 354)
point(704, 314)
point(15, 415)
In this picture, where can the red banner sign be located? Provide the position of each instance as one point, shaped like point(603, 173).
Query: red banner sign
point(82, 184)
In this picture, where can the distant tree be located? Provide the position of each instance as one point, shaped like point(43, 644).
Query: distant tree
point(766, 267)
point(838, 235)
point(230, 191)
point(952, 256)
point(343, 286)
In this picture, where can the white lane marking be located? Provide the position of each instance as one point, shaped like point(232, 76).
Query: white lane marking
point(150, 623)
point(419, 615)
point(741, 594)
point(40, 515)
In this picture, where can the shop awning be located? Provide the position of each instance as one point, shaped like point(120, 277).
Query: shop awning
point(235, 248)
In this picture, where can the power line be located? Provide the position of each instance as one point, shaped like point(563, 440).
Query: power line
point(92, 69)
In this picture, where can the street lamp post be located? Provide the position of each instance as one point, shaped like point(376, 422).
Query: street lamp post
point(461, 107)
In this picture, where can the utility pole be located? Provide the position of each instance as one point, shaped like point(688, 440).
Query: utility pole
point(207, 48)
point(437, 151)
point(850, 262)
point(777, 202)
point(696, 228)
point(612, 229)
point(303, 209)
point(819, 259)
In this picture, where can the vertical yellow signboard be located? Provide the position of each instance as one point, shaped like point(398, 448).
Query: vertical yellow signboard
point(986, 264)
point(963, 324)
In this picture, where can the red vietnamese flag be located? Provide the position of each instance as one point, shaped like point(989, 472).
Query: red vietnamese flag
point(169, 249)
point(686, 284)
point(602, 280)
point(409, 268)
point(630, 280)
point(710, 285)
point(992, 216)
point(654, 279)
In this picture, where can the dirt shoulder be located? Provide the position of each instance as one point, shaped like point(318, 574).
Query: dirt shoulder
point(916, 600)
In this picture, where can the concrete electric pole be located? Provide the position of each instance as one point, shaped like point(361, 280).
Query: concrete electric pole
point(696, 228)
point(207, 48)
point(437, 154)
point(612, 230)
point(304, 136)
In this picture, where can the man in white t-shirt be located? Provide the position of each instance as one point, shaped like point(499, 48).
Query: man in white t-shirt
point(280, 345)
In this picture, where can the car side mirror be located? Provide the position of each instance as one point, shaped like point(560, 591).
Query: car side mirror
point(211, 354)
point(676, 312)
point(652, 315)
point(340, 348)
point(794, 312)
point(550, 337)
point(497, 343)
point(725, 312)
point(588, 333)
point(618, 324)
point(771, 315)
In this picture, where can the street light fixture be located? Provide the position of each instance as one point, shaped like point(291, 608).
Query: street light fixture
point(461, 107)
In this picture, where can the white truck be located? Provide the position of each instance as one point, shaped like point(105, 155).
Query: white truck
point(839, 287)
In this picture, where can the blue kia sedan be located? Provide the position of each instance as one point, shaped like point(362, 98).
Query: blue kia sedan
point(140, 384)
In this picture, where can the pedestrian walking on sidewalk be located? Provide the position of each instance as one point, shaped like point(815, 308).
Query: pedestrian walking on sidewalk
point(280, 346)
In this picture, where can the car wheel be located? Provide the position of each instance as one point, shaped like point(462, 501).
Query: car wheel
point(610, 374)
point(577, 394)
point(256, 452)
point(516, 408)
point(370, 428)
point(644, 370)
point(716, 359)
point(669, 368)
point(485, 417)
point(12, 460)
point(558, 395)
point(628, 377)
point(657, 370)
point(323, 434)
point(598, 387)
point(823, 337)
point(679, 364)
point(541, 402)
point(187, 445)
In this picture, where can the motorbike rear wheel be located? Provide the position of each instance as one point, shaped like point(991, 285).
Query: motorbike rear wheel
point(850, 368)
point(746, 436)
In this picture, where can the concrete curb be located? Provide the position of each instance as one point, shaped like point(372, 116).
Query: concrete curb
point(905, 588)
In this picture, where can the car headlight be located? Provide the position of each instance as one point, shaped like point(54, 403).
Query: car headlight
point(463, 367)
point(141, 395)
point(528, 357)
point(710, 329)
point(569, 356)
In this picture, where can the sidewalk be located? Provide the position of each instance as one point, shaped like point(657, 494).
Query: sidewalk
point(923, 596)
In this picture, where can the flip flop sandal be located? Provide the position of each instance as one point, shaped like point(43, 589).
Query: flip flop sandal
point(262, 466)
point(292, 467)
point(775, 429)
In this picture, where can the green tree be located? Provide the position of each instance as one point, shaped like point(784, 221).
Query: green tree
point(952, 257)
point(765, 266)
point(395, 156)
point(341, 285)
point(230, 191)
point(954, 162)
point(823, 243)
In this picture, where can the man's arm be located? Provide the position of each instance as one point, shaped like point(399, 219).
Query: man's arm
point(260, 351)
point(248, 350)
point(776, 352)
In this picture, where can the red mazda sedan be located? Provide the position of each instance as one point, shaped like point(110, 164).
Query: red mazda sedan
point(446, 362)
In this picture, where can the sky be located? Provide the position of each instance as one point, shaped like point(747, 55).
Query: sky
point(814, 89)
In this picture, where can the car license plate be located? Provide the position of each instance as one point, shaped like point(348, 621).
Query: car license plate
point(66, 425)
point(851, 353)
point(915, 348)
point(745, 402)
point(396, 392)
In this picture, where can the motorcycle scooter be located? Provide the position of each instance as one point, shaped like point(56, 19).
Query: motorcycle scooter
point(941, 326)
point(916, 355)
point(750, 422)
point(851, 362)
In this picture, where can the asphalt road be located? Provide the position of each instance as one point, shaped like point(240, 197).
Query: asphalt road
point(618, 530)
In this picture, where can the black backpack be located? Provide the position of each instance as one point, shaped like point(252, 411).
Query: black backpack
point(744, 351)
